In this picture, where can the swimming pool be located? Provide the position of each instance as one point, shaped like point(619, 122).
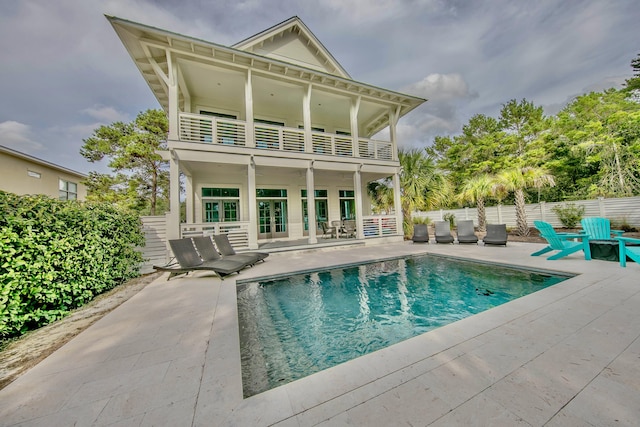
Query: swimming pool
point(294, 326)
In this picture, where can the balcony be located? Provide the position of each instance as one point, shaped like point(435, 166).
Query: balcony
point(213, 130)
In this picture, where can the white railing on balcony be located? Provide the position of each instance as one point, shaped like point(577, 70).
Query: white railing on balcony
point(375, 149)
point(379, 225)
point(211, 129)
point(237, 231)
point(279, 138)
point(215, 130)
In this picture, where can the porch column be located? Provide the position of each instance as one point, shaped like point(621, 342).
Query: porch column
point(311, 205)
point(306, 118)
point(397, 202)
point(173, 226)
point(172, 83)
point(357, 187)
point(250, 140)
point(353, 112)
point(393, 123)
point(189, 199)
point(253, 216)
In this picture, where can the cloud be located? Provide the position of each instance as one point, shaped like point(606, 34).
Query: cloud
point(440, 114)
point(18, 136)
point(106, 115)
point(441, 88)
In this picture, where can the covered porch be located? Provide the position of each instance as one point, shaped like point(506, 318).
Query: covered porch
point(259, 200)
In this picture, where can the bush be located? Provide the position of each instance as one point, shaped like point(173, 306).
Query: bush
point(58, 255)
point(569, 214)
point(451, 218)
point(421, 220)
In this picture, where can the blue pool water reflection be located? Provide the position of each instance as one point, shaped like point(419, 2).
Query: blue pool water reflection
point(294, 326)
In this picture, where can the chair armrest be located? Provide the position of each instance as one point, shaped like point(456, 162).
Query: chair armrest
point(572, 235)
point(628, 240)
point(617, 232)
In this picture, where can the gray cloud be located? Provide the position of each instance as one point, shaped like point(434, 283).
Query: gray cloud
point(66, 72)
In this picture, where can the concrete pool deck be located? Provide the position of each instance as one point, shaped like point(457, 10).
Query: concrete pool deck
point(568, 355)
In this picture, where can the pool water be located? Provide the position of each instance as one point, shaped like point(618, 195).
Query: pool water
point(295, 326)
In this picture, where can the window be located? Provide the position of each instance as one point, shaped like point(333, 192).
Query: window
point(347, 204)
point(34, 174)
point(67, 190)
point(221, 204)
point(322, 212)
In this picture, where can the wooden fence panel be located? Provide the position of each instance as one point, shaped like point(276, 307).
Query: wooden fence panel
point(155, 250)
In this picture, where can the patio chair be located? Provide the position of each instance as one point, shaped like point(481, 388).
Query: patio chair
point(420, 233)
point(328, 231)
point(443, 232)
point(466, 232)
point(562, 242)
point(189, 260)
point(496, 235)
point(349, 228)
point(599, 228)
point(208, 252)
point(225, 248)
point(601, 242)
point(632, 252)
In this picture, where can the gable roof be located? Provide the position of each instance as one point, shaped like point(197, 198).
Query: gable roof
point(35, 160)
point(292, 41)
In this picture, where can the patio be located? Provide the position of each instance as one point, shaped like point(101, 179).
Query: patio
point(566, 355)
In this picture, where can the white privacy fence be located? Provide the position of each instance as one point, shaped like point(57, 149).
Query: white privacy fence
point(623, 209)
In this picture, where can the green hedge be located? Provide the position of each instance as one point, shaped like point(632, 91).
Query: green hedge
point(58, 255)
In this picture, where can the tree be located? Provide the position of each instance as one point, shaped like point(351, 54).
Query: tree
point(523, 123)
point(141, 180)
point(602, 130)
point(517, 180)
point(479, 149)
point(422, 186)
point(476, 190)
point(634, 82)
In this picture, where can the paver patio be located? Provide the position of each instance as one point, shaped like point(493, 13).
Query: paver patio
point(568, 355)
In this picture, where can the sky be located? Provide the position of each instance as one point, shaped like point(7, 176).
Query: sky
point(64, 72)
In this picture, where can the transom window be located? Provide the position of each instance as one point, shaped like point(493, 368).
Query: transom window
point(221, 204)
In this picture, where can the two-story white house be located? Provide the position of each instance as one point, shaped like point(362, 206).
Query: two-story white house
point(272, 135)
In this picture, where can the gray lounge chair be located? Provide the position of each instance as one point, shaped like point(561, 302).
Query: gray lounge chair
point(496, 235)
point(466, 232)
point(225, 248)
point(189, 260)
point(208, 252)
point(420, 233)
point(443, 232)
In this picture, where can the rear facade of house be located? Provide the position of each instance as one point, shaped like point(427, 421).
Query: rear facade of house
point(271, 136)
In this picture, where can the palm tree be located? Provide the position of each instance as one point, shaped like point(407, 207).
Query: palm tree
point(517, 180)
point(475, 190)
point(381, 195)
point(421, 185)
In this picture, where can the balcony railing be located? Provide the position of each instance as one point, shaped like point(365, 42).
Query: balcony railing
point(215, 130)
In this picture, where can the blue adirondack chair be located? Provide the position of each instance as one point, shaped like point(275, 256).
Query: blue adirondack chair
point(632, 252)
point(599, 228)
point(562, 242)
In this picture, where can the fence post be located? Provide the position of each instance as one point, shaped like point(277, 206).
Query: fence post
point(500, 213)
point(543, 206)
point(466, 212)
point(603, 214)
point(441, 215)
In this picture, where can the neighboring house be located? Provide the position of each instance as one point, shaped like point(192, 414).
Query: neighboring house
point(24, 174)
point(271, 134)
